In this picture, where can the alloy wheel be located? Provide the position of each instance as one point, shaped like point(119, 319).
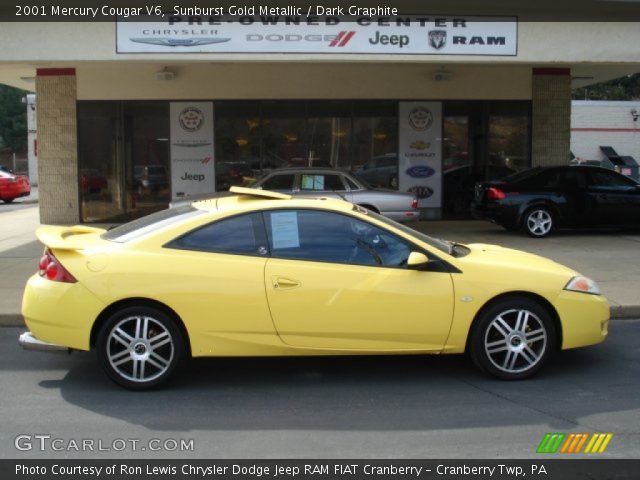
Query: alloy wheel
point(539, 222)
point(515, 340)
point(140, 348)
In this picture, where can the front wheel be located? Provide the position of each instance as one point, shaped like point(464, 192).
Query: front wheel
point(512, 339)
point(538, 222)
point(8, 200)
point(140, 347)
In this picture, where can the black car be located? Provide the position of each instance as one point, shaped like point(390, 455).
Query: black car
point(544, 198)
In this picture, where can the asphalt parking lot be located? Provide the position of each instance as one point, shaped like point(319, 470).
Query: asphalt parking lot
point(349, 407)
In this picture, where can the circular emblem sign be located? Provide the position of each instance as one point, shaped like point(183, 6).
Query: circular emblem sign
point(191, 119)
point(420, 118)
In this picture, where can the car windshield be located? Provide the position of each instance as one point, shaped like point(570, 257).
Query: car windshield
point(442, 245)
point(150, 223)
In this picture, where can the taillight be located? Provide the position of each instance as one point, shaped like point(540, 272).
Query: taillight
point(414, 204)
point(51, 268)
point(494, 193)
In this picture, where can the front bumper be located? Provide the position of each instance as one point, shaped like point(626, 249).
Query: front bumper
point(29, 342)
point(584, 317)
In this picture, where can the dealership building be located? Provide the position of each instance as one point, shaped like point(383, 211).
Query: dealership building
point(134, 112)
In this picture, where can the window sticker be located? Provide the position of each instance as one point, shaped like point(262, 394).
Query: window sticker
point(312, 182)
point(284, 230)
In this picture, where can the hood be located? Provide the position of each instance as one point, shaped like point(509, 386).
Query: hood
point(508, 257)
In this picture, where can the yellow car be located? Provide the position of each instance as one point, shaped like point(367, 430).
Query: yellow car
point(260, 273)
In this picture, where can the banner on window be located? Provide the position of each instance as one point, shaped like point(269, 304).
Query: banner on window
point(268, 33)
point(192, 165)
point(420, 155)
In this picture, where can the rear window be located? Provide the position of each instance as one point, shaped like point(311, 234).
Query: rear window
point(150, 223)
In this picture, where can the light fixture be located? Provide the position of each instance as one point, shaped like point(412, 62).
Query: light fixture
point(634, 113)
point(165, 75)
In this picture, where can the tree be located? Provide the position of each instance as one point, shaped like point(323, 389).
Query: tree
point(625, 88)
point(13, 119)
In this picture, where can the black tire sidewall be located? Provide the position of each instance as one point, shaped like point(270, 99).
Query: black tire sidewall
point(158, 315)
point(525, 223)
point(477, 350)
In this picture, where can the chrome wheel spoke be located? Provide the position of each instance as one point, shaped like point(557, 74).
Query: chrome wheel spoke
point(529, 355)
point(122, 337)
point(510, 360)
point(157, 361)
point(497, 346)
point(521, 320)
point(535, 336)
point(159, 340)
point(502, 326)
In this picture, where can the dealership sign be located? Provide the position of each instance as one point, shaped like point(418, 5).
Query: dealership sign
point(420, 153)
point(192, 165)
point(402, 34)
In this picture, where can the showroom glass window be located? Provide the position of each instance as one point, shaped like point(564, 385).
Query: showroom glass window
point(321, 236)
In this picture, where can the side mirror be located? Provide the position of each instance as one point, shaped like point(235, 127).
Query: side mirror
point(417, 261)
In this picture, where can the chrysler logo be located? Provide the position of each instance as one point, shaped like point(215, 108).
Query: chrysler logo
point(179, 42)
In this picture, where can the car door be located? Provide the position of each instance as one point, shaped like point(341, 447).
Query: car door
point(217, 284)
point(617, 198)
point(334, 281)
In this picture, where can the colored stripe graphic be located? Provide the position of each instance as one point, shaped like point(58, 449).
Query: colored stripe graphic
point(550, 443)
point(346, 38)
point(573, 443)
point(335, 41)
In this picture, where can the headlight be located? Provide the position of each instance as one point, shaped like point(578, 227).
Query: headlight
point(583, 284)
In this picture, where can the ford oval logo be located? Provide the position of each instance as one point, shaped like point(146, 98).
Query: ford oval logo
point(421, 191)
point(420, 171)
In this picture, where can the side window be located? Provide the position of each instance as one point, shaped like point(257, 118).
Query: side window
point(574, 179)
point(331, 237)
point(320, 182)
point(602, 178)
point(352, 185)
point(545, 179)
point(279, 182)
point(241, 235)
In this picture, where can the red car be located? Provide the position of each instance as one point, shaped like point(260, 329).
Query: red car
point(13, 186)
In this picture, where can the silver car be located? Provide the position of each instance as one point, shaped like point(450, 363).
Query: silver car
point(328, 182)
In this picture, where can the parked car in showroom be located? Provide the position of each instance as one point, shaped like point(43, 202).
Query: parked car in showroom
point(261, 273)
point(152, 178)
point(380, 171)
point(542, 199)
point(13, 186)
point(333, 183)
point(92, 181)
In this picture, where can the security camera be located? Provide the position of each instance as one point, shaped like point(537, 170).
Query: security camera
point(634, 113)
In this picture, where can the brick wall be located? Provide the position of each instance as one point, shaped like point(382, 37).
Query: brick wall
point(551, 116)
point(57, 146)
point(604, 123)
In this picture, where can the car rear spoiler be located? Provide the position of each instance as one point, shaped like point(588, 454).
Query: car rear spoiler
point(66, 238)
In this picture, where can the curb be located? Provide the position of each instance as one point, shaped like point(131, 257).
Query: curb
point(618, 312)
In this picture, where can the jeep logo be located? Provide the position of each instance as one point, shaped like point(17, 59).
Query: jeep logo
point(191, 176)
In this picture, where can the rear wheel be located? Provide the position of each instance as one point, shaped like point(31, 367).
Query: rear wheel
point(512, 339)
point(8, 200)
point(539, 222)
point(393, 182)
point(140, 347)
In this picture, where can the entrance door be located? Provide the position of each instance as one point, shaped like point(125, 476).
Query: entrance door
point(334, 281)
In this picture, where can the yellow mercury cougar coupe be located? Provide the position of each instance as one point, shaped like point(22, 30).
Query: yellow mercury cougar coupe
point(263, 274)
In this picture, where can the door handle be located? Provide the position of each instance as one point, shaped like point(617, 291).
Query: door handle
point(282, 282)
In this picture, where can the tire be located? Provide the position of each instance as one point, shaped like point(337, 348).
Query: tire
point(512, 339)
point(538, 222)
point(130, 356)
point(8, 200)
point(393, 182)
